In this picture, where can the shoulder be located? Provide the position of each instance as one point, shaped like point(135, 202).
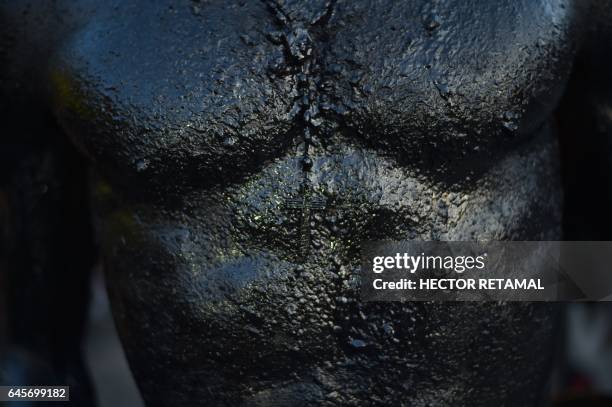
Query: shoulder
point(29, 33)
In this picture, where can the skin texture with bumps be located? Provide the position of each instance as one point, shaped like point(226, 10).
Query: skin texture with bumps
point(419, 120)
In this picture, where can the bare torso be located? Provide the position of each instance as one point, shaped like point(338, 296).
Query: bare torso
point(209, 122)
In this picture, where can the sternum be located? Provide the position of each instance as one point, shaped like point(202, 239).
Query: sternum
point(301, 61)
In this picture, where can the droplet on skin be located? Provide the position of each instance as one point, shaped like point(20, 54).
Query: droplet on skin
point(229, 141)
point(432, 21)
point(142, 165)
point(388, 328)
point(358, 344)
point(510, 121)
point(306, 163)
